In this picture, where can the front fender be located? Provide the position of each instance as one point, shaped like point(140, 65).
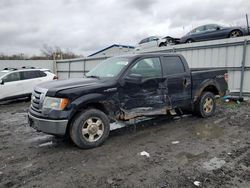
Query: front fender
point(84, 100)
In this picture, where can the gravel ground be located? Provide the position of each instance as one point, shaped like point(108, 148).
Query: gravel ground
point(185, 151)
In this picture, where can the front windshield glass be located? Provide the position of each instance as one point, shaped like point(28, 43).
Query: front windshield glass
point(109, 68)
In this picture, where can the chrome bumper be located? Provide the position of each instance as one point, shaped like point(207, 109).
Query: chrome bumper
point(55, 127)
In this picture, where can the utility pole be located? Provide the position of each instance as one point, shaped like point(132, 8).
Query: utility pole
point(247, 24)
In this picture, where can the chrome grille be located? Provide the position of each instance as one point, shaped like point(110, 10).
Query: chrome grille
point(37, 99)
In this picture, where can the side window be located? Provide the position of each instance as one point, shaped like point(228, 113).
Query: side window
point(27, 75)
point(32, 74)
point(211, 27)
point(42, 74)
point(15, 76)
point(199, 29)
point(153, 39)
point(172, 65)
point(144, 41)
point(148, 67)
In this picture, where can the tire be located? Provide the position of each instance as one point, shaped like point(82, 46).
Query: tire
point(90, 129)
point(235, 33)
point(189, 41)
point(206, 105)
point(162, 44)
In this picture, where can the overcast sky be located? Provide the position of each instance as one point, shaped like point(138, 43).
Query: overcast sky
point(85, 26)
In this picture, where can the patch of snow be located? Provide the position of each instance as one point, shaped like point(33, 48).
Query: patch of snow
point(40, 138)
point(214, 163)
point(197, 183)
point(175, 142)
point(28, 166)
point(144, 153)
point(46, 144)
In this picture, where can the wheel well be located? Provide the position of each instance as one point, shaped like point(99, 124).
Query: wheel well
point(235, 30)
point(162, 44)
point(212, 89)
point(98, 106)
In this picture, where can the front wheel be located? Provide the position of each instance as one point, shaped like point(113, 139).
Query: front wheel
point(206, 105)
point(90, 129)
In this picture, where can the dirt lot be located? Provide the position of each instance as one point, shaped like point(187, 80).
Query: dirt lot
point(213, 152)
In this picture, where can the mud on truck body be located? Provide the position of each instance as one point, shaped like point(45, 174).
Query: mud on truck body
point(123, 88)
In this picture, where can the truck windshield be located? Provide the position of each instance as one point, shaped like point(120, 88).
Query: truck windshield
point(109, 68)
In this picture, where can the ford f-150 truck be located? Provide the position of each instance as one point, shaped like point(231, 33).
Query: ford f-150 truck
point(123, 88)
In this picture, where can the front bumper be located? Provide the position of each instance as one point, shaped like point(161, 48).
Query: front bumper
point(55, 127)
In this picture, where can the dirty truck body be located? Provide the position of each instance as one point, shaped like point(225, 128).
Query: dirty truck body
point(122, 88)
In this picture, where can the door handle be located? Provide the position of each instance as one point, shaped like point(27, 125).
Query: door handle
point(185, 82)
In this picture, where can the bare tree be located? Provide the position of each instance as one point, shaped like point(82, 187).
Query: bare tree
point(57, 53)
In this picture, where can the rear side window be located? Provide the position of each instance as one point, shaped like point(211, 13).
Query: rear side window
point(144, 41)
point(198, 29)
point(15, 76)
point(172, 65)
point(32, 74)
point(211, 27)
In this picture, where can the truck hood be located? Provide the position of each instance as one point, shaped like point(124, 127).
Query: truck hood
point(59, 85)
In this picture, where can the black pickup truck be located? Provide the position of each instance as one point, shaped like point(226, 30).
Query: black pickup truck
point(123, 88)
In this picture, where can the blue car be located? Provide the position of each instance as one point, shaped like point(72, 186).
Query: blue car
point(212, 32)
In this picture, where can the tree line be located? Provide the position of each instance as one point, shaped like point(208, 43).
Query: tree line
point(47, 53)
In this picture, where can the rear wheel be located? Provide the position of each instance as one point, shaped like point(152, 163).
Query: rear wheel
point(235, 33)
point(90, 129)
point(162, 44)
point(206, 105)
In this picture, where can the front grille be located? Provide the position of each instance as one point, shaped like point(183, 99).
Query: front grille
point(37, 99)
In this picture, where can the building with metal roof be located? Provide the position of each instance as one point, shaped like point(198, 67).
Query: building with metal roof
point(113, 50)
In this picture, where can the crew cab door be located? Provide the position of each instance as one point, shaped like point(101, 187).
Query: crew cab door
point(141, 91)
point(177, 81)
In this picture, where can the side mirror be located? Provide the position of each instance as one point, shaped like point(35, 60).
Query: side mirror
point(1, 82)
point(133, 78)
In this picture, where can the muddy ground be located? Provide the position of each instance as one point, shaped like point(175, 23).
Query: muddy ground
point(212, 152)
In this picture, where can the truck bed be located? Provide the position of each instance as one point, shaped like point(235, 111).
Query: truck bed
point(201, 76)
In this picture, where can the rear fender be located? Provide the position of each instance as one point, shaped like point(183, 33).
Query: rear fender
point(206, 84)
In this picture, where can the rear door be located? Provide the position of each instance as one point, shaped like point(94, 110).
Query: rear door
point(177, 81)
point(31, 79)
point(144, 43)
point(198, 33)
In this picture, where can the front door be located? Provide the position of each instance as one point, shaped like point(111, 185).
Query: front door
point(145, 96)
point(12, 86)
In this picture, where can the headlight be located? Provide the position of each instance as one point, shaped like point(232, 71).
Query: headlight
point(55, 103)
